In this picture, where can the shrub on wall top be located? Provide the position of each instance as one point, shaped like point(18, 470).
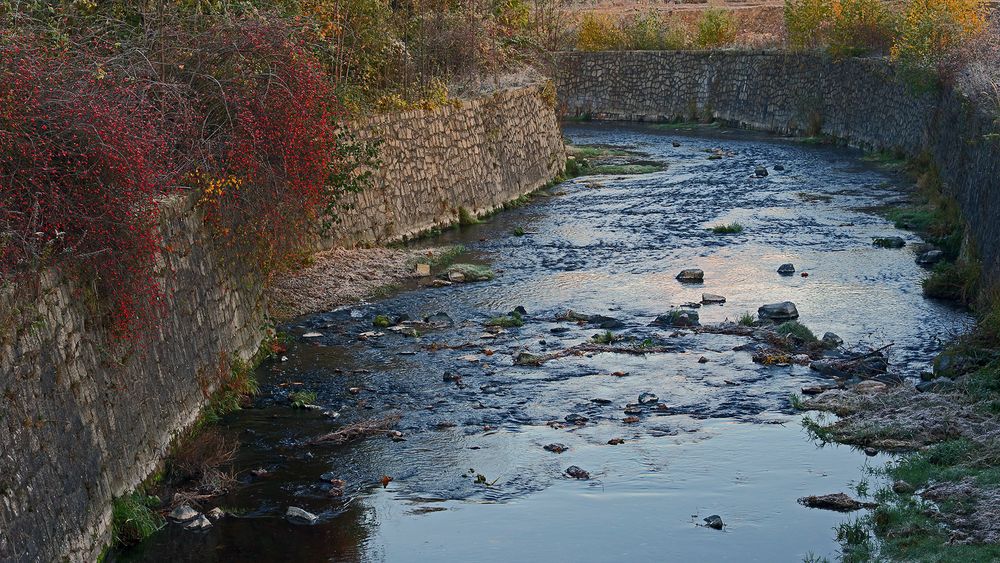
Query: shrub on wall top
point(80, 171)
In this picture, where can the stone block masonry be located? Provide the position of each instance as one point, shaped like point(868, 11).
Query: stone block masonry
point(479, 155)
point(80, 426)
point(863, 101)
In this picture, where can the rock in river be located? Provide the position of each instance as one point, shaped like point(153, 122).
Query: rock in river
point(556, 448)
point(889, 242)
point(786, 269)
point(184, 513)
point(930, 257)
point(760, 172)
point(712, 299)
point(607, 323)
point(714, 521)
point(676, 318)
point(575, 418)
point(199, 523)
point(577, 473)
point(691, 275)
point(648, 399)
point(831, 340)
point(296, 515)
point(838, 501)
point(778, 312)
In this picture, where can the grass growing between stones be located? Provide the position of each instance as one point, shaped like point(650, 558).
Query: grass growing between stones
point(797, 330)
point(512, 320)
point(747, 319)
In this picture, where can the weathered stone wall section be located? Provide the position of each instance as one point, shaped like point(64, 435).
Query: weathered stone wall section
point(860, 100)
point(77, 429)
point(479, 155)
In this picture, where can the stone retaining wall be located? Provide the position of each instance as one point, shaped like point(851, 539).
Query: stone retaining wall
point(80, 426)
point(860, 100)
point(478, 155)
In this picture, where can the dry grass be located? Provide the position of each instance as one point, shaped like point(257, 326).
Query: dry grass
point(357, 431)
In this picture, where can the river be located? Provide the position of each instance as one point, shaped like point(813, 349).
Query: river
point(727, 442)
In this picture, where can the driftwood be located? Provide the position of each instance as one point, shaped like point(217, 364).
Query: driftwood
point(357, 431)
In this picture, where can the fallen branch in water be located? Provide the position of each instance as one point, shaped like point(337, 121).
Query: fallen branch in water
point(357, 431)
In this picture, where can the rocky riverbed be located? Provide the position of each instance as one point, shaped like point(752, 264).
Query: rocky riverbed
point(589, 402)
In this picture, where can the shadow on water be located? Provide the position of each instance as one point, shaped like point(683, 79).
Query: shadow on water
point(725, 442)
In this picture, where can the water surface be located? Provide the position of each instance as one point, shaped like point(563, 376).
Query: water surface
point(727, 442)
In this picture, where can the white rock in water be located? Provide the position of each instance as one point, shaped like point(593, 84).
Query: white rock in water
point(312, 335)
point(299, 516)
point(711, 298)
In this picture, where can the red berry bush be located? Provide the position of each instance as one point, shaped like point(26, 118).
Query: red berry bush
point(273, 138)
point(81, 165)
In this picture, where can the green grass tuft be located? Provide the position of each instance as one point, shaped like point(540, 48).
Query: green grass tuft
point(512, 320)
point(798, 330)
point(133, 519)
point(466, 218)
point(731, 228)
point(956, 281)
point(747, 319)
point(606, 337)
point(300, 399)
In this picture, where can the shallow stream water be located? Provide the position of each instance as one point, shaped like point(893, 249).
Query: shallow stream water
point(728, 442)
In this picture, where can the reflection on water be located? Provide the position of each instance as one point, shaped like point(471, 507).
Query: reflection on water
point(726, 443)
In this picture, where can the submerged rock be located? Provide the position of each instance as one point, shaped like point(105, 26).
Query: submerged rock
point(786, 269)
point(760, 172)
point(556, 448)
point(676, 318)
point(691, 275)
point(778, 167)
point(888, 242)
point(577, 473)
point(714, 521)
point(607, 323)
point(778, 312)
point(838, 501)
point(297, 515)
point(575, 418)
point(439, 319)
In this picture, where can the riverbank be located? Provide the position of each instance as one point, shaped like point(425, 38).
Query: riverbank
point(87, 419)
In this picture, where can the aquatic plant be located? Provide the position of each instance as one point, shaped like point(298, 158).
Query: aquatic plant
point(797, 330)
point(731, 228)
point(300, 399)
point(512, 320)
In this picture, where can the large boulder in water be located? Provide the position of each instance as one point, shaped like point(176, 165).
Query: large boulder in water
point(778, 312)
point(691, 275)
